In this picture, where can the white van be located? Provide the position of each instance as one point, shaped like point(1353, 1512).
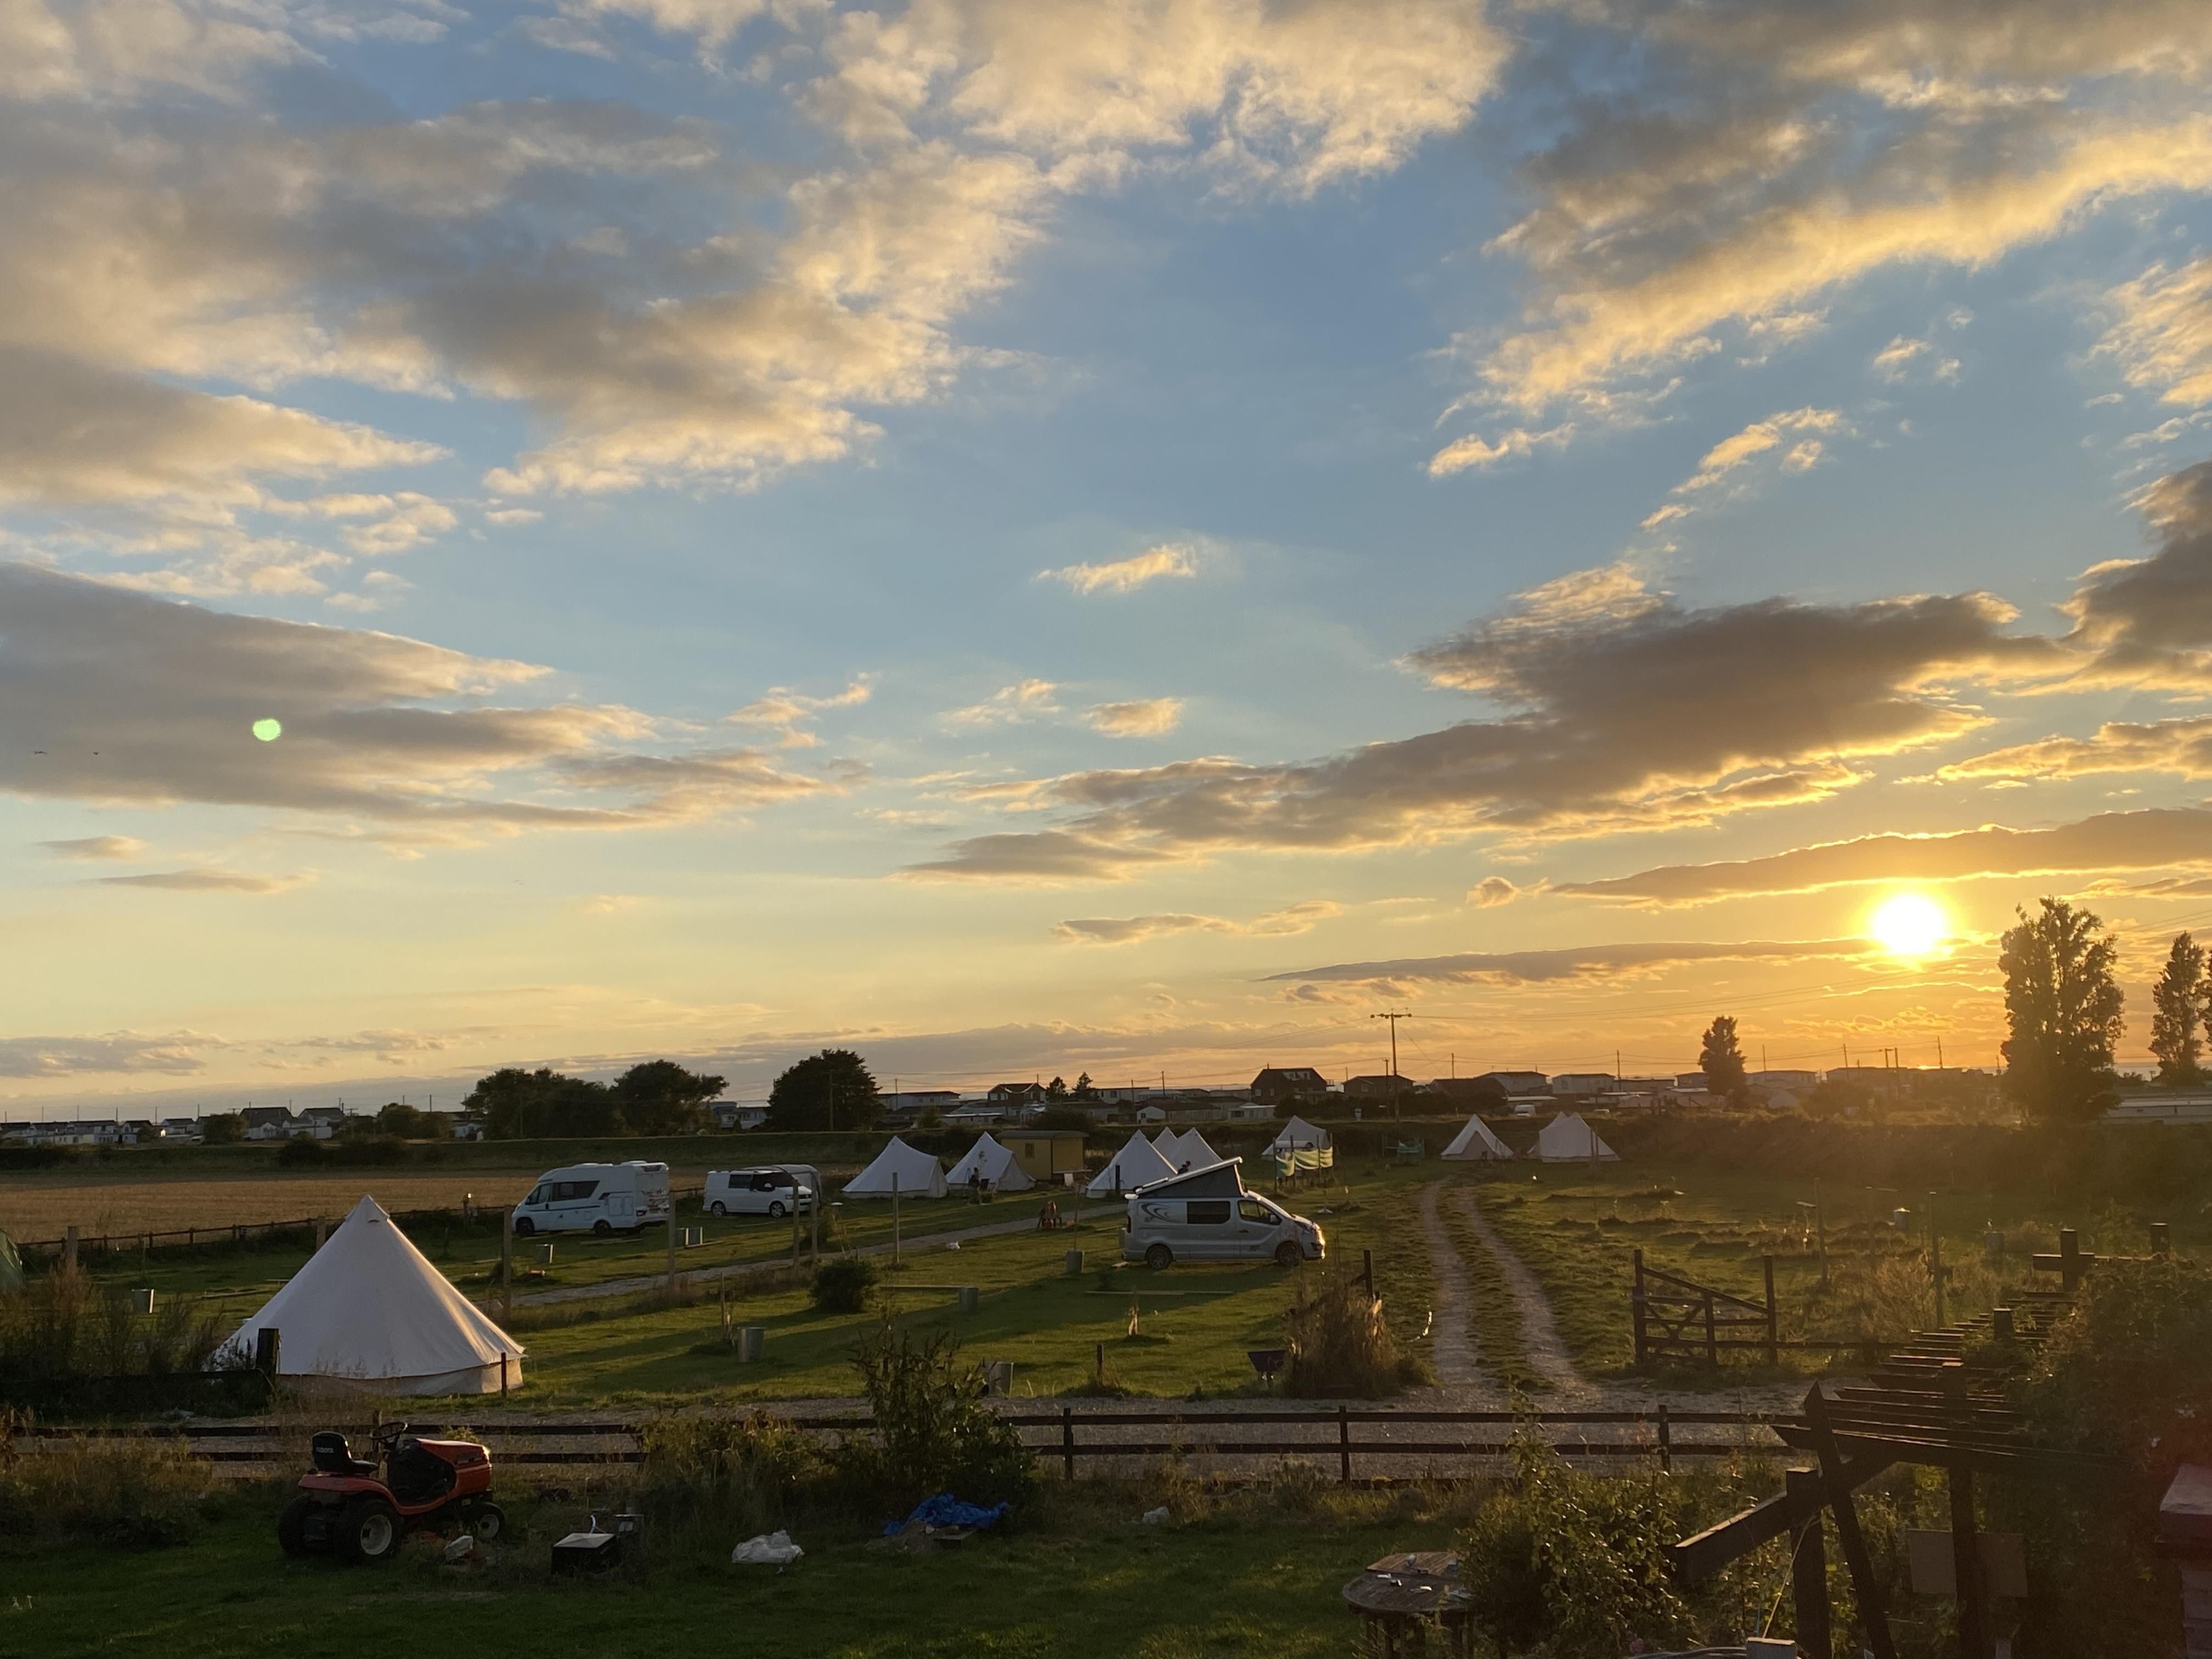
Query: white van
point(774, 1190)
point(1207, 1216)
point(597, 1198)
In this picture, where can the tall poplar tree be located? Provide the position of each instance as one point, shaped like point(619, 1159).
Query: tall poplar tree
point(2063, 1007)
point(2178, 1013)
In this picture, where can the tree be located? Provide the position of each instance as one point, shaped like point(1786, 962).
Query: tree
point(661, 1097)
point(832, 1090)
point(222, 1129)
point(2063, 1009)
point(1085, 1089)
point(2177, 1012)
point(516, 1104)
point(406, 1121)
point(1721, 1060)
point(1056, 1089)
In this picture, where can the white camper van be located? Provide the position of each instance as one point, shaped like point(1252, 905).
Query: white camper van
point(1206, 1215)
point(597, 1198)
point(776, 1190)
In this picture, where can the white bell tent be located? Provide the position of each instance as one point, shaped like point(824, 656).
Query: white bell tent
point(1567, 1140)
point(1132, 1167)
point(368, 1311)
point(1477, 1141)
point(993, 1164)
point(1298, 1136)
point(918, 1174)
point(1190, 1151)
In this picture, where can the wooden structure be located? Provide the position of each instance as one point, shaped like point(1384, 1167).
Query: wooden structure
point(1928, 1403)
point(1400, 1598)
point(1677, 1318)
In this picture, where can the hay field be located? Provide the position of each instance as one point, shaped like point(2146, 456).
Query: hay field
point(39, 1205)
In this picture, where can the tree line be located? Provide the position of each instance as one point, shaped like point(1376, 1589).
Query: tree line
point(657, 1098)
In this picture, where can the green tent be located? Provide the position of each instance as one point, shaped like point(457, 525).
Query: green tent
point(11, 1266)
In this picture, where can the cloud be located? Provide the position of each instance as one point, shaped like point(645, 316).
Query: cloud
point(2182, 747)
point(2111, 841)
point(139, 700)
point(1732, 454)
point(1491, 891)
point(95, 847)
point(2161, 334)
point(1009, 705)
point(789, 712)
point(1573, 962)
point(1620, 710)
point(1126, 575)
point(2148, 622)
point(1474, 452)
point(1152, 718)
point(177, 1054)
point(1298, 918)
point(201, 880)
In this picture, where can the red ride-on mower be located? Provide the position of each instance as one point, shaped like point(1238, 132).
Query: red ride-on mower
point(344, 1509)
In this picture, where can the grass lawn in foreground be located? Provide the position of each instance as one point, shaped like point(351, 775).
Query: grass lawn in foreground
point(1081, 1578)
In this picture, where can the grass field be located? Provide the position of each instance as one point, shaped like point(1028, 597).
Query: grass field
point(1082, 1578)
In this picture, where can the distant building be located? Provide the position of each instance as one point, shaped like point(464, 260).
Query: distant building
point(1386, 1086)
point(1046, 1155)
point(1277, 1083)
point(2191, 1107)
point(1518, 1082)
point(731, 1113)
point(319, 1122)
point(1691, 1082)
point(180, 1129)
point(1797, 1082)
point(266, 1123)
point(1582, 1084)
point(1016, 1094)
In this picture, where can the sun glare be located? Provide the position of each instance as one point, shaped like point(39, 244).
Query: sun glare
point(1909, 925)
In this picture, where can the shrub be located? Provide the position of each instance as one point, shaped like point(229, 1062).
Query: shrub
point(934, 1432)
point(1339, 1344)
point(121, 1493)
point(62, 1329)
point(844, 1285)
point(732, 1476)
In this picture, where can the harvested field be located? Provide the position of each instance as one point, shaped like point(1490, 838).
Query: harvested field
point(37, 1205)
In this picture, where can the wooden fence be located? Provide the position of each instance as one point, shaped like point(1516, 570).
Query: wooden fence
point(1071, 1438)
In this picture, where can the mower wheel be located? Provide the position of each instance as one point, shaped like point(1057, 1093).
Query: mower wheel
point(369, 1531)
point(602, 1229)
point(292, 1527)
point(485, 1522)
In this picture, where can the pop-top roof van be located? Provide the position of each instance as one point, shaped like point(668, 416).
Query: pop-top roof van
point(596, 1198)
point(1206, 1215)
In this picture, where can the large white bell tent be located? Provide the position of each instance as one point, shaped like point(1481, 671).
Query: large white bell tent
point(993, 1164)
point(1298, 1136)
point(1188, 1152)
point(368, 1311)
point(1567, 1140)
point(1136, 1164)
point(1477, 1141)
point(918, 1174)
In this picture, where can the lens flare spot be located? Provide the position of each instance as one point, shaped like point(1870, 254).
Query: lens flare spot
point(268, 730)
point(1909, 925)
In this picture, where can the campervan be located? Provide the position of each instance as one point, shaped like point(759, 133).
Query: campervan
point(776, 1190)
point(597, 1198)
point(1206, 1215)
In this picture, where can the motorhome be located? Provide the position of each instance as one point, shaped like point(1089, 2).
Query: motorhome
point(774, 1190)
point(1206, 1215)
point(595, 1198)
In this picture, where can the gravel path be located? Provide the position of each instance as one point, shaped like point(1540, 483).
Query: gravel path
point(1452, 1349)
point(638, 1285)
point(1539, 1332)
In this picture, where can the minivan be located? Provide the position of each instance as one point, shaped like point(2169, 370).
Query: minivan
point(1243, 1227)
point(596, 1198)
point(774, 1190)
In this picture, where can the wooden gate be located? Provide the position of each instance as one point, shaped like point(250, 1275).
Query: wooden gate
point(1677, 1318)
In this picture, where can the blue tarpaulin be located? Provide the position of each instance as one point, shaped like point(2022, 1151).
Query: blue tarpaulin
point(946, 1510)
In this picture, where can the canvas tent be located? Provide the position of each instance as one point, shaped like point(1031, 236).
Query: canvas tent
point(1477, 1141)
point(916, 1173)
point(991, 1163)
point(1567, 1140)
point(369, 1311)
point(1129, 1169)
point(1187, 1150)
point(1298, 1136)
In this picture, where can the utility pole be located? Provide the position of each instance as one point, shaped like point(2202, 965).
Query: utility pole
point(1939, 1053)
point(1393, 1019)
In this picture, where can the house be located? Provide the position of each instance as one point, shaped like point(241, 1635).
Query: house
point(1016, 1094)
point(266, 1123)
point(319, 1122)
point(1380, 1086)
point(1581, 1084)
point(2171, 1107)
point(1518, 1082)
point(734, 1113)
point(1250, 1111)
point(1047, 1156)
point(1690, 1083)
point(977, 1114)
point(180, 1129)
point(141, 1132)
point(467, 1126)
point(1797, 1082)
point(1277, 1083)
point(912, 1102)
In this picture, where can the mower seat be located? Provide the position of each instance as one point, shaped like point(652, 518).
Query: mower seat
point(334, 1456)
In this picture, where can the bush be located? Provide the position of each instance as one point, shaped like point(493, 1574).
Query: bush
point(129, 1494)
point(844, 1285)
point(1339, 1344)
point(62, 1329)
point(934, 1432)
point(731, 1477)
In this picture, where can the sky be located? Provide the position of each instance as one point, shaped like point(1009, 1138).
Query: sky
point(1031, 538)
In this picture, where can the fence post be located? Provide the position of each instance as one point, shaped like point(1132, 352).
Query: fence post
point(68, 1249)
point(1773, 1332)
point(506, 1263)
point(503, 1373)
point(2070, 1259)
point(1808, 1570)
point(1666, 1441)
point(1636, 1308)
point(1344, 1444)
point(1367, 1272)
point(1068, 1440)
point(894, 1218)
point(1713, 1335)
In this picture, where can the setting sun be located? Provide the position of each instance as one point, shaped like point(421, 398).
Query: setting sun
point(1909, 925)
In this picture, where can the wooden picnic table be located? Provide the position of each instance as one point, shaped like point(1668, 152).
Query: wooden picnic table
point(1400, 1597)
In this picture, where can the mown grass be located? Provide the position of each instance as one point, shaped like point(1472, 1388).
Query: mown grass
point(1255, 1574)
point(1493, 1314)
